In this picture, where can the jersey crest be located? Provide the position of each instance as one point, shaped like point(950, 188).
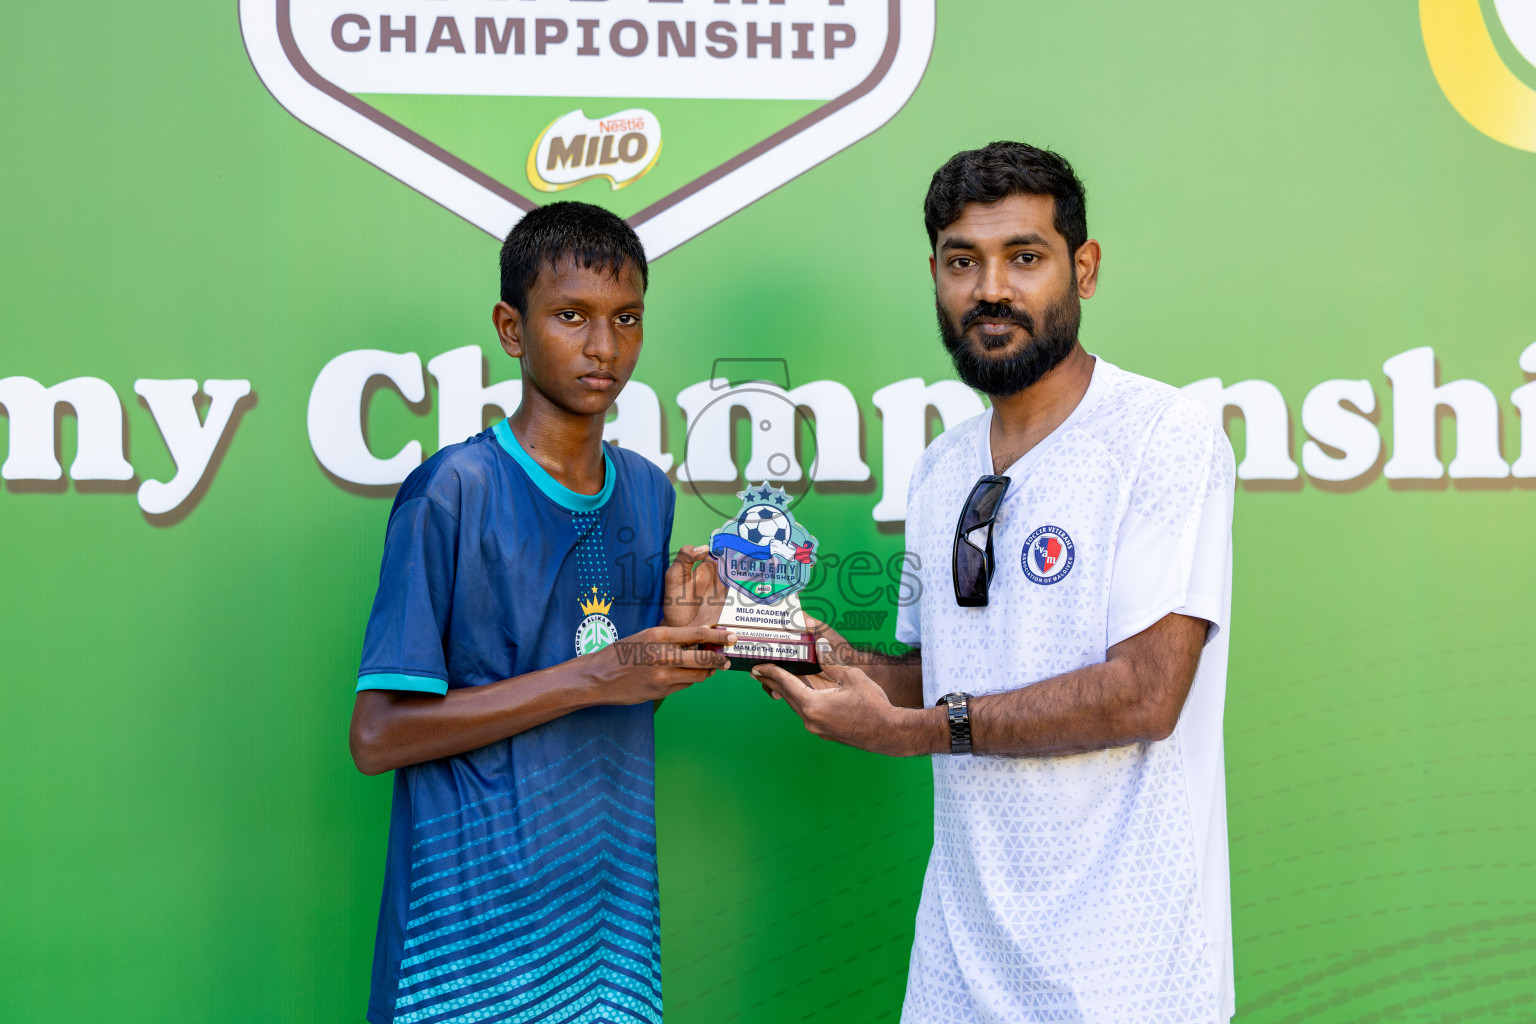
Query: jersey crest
point(1048, 555)
point(597, 630)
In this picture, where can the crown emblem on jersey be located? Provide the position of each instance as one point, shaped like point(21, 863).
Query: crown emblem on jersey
point(596, 605)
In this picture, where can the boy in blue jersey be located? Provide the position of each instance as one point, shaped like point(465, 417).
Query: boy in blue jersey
point(521, 882)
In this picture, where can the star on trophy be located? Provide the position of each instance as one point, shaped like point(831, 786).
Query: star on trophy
point(764, 558)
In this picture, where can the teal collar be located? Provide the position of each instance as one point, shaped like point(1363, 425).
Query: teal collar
point(553, 489)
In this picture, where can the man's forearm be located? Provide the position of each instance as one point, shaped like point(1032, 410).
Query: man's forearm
point(1092, 708)
point(874, 701)
point(899, 675)
point(1088, 709)
point(1135, 696)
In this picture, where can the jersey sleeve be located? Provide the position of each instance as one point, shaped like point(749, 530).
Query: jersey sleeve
point(1174, 550)
point(403, 646)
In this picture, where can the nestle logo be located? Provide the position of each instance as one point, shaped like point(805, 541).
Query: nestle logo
point(624, 124)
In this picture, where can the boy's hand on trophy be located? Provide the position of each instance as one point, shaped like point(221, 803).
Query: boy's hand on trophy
point(692, 591)
point(655, 663)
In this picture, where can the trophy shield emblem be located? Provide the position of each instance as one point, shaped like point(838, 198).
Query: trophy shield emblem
point(764, 558)
point(673, 116)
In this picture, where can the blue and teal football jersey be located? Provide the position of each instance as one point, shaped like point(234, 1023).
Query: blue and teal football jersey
point(521, 877)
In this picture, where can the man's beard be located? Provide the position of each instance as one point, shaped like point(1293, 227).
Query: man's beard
point(1041, 352)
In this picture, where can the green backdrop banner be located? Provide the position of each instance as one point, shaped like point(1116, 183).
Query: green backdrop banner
point(250, 260)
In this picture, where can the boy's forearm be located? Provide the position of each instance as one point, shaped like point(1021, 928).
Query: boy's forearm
point(391, 729)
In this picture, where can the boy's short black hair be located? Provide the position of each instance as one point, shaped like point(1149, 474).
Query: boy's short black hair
point(585, 234)
point(1002, 169)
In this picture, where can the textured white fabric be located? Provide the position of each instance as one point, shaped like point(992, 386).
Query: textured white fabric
point(1092, 887)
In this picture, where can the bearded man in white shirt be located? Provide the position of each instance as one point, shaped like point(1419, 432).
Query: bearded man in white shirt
point(1069, 671)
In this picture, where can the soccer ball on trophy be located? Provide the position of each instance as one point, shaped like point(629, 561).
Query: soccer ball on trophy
point(763, 524)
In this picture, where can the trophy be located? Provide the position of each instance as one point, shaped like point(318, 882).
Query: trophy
point(764, 557)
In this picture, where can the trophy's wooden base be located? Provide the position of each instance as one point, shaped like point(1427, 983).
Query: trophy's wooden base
point(794, 652)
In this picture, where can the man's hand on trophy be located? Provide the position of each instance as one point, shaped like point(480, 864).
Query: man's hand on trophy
point(840, 652)
point(692, 591)
point(841, 703)
point(831, 649)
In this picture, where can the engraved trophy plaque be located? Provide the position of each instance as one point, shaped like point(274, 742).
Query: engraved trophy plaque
point(764, 557)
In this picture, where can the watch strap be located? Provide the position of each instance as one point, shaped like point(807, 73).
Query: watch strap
point(959, 721)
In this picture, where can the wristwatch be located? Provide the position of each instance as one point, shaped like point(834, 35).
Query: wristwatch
point(959, 721)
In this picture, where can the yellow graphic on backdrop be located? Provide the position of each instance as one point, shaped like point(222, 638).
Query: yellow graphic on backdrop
point(1472, 74)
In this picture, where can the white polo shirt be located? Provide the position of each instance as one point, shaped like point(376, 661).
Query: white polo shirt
point(1092, 887)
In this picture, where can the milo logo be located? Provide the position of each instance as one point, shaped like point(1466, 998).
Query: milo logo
point(575, 147)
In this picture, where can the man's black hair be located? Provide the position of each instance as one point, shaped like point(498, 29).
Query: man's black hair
point(1002, 169)
point(588, 235)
